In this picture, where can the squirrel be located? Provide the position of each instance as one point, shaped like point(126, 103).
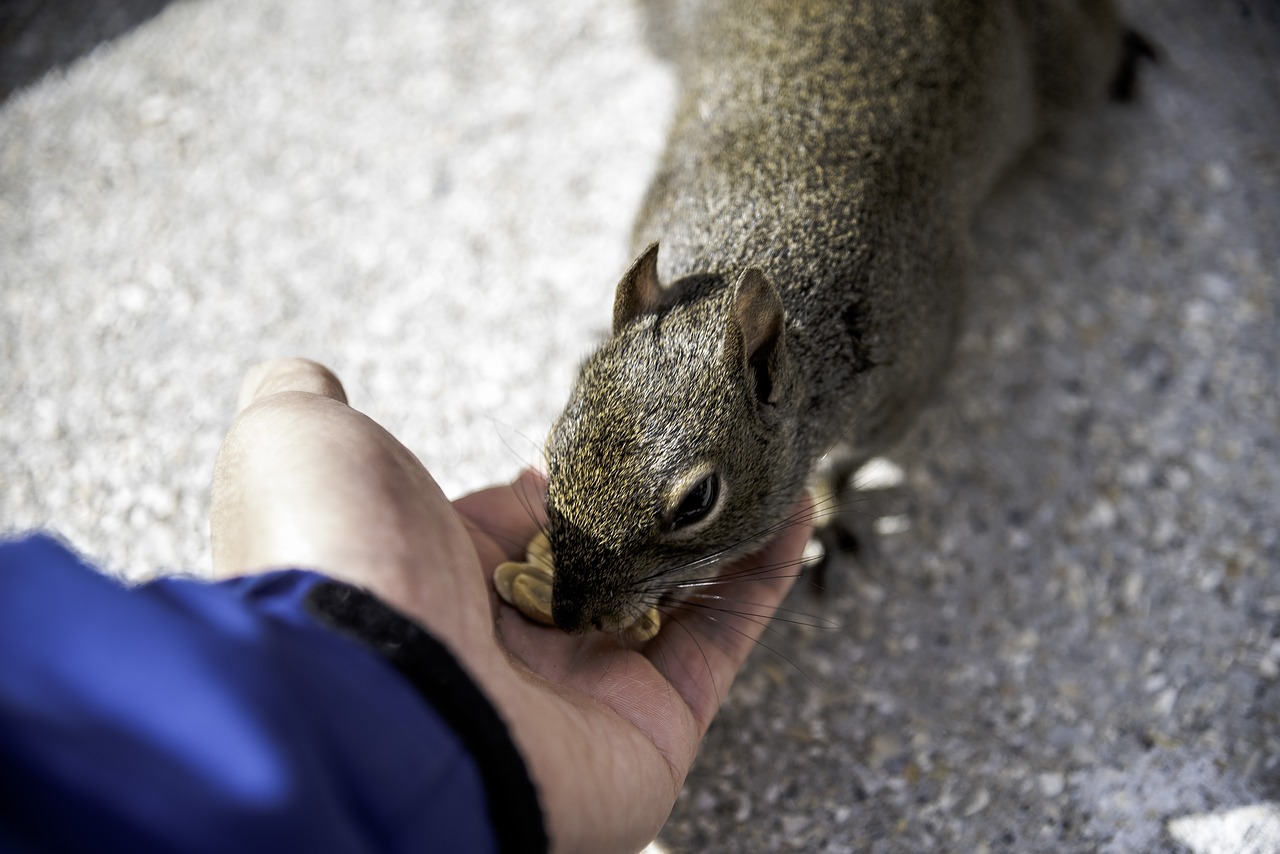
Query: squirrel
point(813, 205)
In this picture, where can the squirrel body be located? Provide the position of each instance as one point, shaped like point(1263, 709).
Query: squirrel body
point(813, 208)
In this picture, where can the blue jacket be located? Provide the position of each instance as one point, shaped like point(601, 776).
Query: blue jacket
point(279, 712)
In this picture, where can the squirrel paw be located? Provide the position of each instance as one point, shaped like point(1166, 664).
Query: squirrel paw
point(1135, 48)
point(832, 538)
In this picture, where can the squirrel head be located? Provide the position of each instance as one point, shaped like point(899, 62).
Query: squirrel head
point(676, 448)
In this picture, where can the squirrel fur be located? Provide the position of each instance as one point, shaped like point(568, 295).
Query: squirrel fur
point(813, 208)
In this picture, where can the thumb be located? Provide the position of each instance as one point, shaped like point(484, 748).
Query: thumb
point(284, 375)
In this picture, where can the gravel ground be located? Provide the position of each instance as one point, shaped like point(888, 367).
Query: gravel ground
point(1066, 634)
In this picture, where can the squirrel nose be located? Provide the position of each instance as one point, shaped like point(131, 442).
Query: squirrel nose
point(571, 617)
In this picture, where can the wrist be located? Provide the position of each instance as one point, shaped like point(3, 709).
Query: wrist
point(437, 676)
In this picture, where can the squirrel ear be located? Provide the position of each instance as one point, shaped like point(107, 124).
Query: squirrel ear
point(639, 291)
point(756, 323)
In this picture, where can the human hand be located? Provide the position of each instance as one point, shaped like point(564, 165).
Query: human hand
point(609, 731)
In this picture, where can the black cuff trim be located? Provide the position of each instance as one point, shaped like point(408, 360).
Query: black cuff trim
point(436, 675)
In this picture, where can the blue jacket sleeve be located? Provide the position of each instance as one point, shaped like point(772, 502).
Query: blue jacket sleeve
point(280, 712)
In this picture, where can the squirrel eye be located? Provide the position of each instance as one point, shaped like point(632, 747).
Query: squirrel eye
point(697, 503)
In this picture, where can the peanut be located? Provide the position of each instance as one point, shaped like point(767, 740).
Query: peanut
point(526, 588)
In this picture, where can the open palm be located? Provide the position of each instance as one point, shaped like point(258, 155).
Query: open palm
point(608, 730)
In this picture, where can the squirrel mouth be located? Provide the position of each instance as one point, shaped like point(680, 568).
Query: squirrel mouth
point(639, 628)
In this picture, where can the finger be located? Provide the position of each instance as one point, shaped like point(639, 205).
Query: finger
point(293, 374)
point(507, 516)
point(290, 478)
point(703, 647)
